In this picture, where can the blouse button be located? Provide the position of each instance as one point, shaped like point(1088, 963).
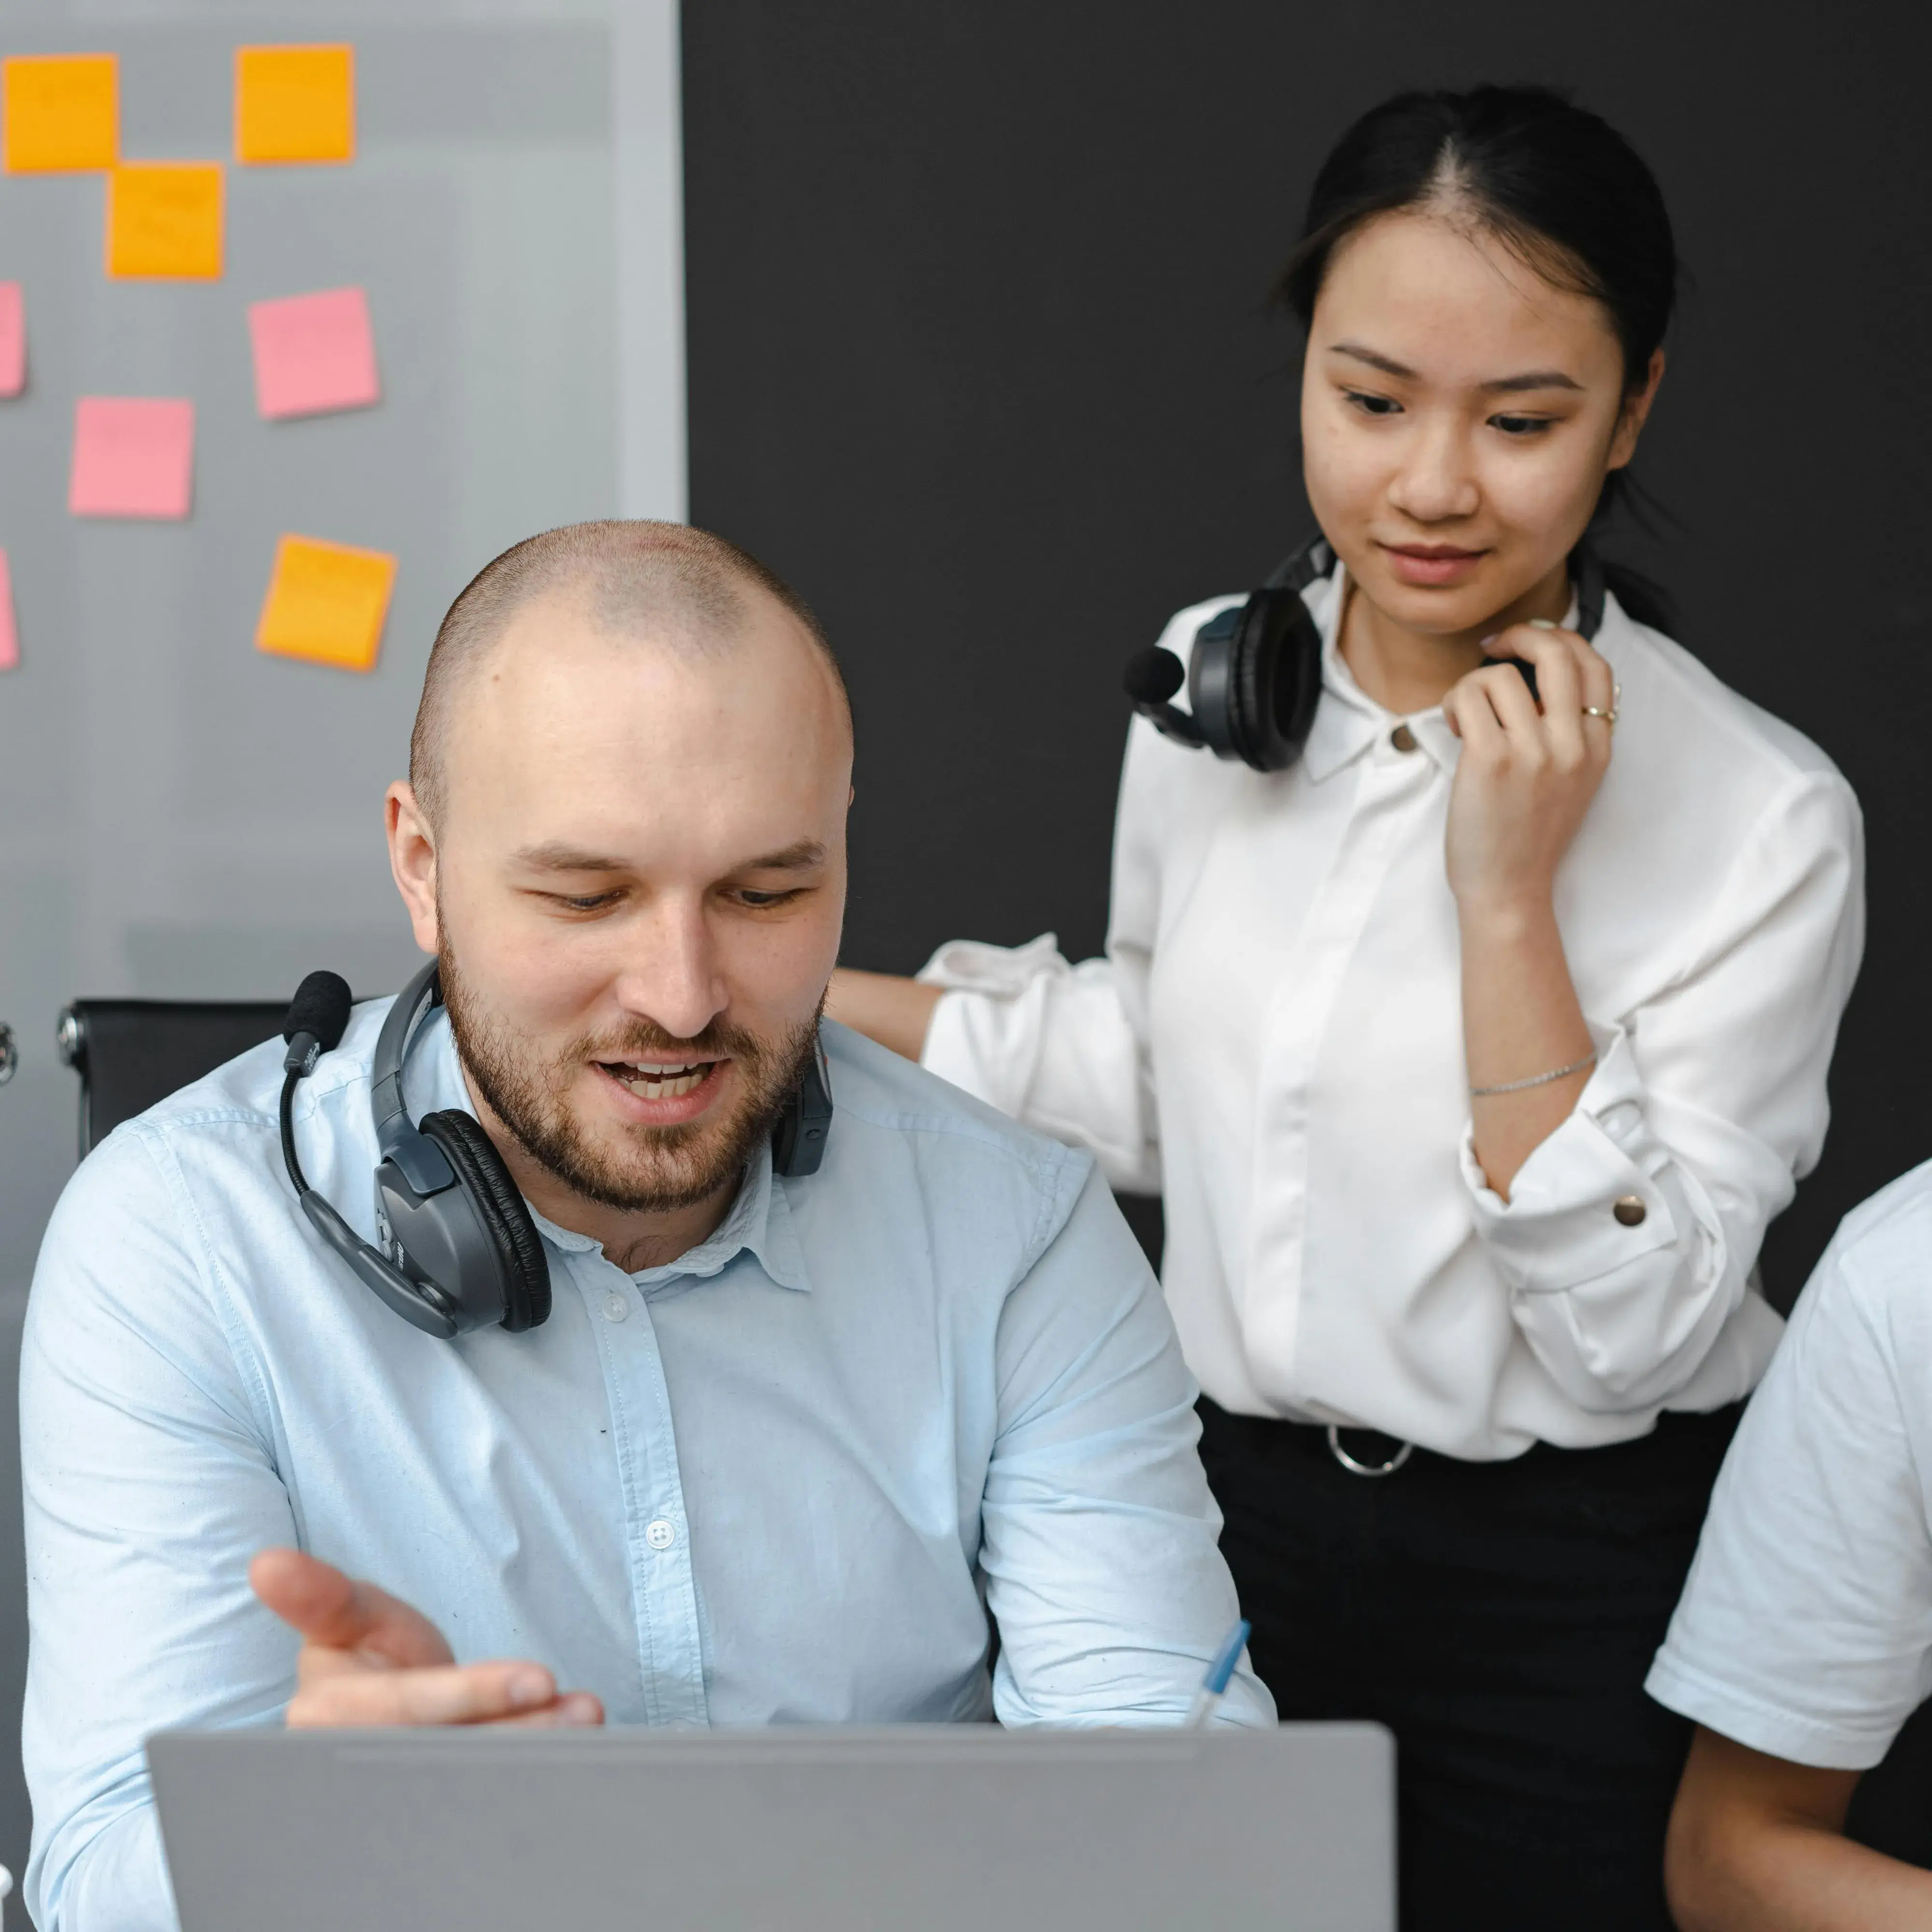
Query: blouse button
point(1402, 738)
point(1631, 1211)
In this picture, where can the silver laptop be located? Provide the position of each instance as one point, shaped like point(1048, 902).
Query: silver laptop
point(923, 1828)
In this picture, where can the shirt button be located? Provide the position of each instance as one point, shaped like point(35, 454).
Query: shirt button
point(660, 1534)
point(617, 1307)
point(1402, 738)
point(1631, 1211)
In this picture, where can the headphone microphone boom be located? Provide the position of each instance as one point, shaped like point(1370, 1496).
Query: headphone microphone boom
point(317, 1017)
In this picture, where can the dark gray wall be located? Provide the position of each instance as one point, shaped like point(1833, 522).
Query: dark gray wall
point(979, 358)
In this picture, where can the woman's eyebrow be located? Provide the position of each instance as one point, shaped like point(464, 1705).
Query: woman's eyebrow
point(1531, 379)
point(1374, 358)
point(1503, 386)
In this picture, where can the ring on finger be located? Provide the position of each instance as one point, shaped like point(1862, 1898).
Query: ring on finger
point(1607, 714)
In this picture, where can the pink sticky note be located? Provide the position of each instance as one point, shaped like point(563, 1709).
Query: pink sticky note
point(133, 456)
point(313, 353)
point(12, 339)
point(10, 638)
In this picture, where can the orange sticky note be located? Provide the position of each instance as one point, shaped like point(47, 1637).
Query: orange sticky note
point(294, 103)
point(326, 602)
point(164, 220)
point(62, 112)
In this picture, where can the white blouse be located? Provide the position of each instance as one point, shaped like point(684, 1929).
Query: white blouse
point(1273, 1043)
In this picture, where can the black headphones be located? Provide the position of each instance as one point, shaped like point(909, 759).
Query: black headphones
point(459, 1249)
point(1254, 677)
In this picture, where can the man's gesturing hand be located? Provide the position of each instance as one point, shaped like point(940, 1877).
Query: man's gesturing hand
point(367, 1658)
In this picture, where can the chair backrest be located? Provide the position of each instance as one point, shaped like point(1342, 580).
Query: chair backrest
point(131, 1053)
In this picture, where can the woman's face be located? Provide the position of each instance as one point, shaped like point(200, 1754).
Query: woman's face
point(1459, 414)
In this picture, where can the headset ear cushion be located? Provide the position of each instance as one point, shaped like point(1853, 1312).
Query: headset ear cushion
point(482, 1174)
point(1250, 685)
point(1274, 678)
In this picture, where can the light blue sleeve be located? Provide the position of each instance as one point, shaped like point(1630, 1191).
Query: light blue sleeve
point(1100, 1539)
point(149, 1481)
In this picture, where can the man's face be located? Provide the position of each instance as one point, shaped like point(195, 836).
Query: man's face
point(636, 892)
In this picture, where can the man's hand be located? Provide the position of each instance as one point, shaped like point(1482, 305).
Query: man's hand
point(367, 1658)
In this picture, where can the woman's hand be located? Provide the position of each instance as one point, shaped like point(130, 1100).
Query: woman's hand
point(1526, 776)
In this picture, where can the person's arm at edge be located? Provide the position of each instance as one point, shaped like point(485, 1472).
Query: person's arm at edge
point(894, 1012)
point(1757, 1844)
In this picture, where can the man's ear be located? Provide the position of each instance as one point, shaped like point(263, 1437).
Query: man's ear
point(412, 862)
point(1636, 413)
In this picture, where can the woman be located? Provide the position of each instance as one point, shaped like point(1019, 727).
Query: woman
point(1473, 1051)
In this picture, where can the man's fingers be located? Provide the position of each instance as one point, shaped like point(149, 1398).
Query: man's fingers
point(468, 1693)
point(341, 1613)
point(574, 1709)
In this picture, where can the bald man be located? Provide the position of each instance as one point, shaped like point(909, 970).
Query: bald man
point(784, 1449)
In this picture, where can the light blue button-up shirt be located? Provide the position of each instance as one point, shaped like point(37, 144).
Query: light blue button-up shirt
point(783, 1479)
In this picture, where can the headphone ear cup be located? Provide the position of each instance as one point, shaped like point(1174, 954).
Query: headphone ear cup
point(1274, 678)
point(480, 1174)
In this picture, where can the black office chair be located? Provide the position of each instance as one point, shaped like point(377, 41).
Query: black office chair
point(131, 1053)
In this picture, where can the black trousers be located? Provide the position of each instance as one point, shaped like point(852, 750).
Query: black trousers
point(1499, 1618)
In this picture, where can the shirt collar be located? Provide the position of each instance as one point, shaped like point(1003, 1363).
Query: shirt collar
point(1347, 721)
point(760, 1219)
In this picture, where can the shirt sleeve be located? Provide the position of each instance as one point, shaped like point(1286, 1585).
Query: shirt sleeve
point(1099, 1537)
point(1706, 1104)
point(1805, 1628)
point(149, 1482)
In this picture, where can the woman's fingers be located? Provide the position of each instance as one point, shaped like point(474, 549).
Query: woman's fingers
point(1569, 676)
point(1474, 717)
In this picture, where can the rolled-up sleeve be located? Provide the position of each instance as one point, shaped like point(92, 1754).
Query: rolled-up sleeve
point(1630, 1235)
point(1049, 1044)
point(148, 1482)
point(1100, 1538)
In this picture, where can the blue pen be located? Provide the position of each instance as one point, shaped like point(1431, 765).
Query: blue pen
point(1215, 1682)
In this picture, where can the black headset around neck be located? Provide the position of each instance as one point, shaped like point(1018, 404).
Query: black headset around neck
point(1254, 677)
point(459, 1250)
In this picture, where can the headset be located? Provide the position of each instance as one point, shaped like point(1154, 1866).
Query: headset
point(458, 1248)
point(1254, 677)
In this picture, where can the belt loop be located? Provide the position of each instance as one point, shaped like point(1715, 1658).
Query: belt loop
point(1355, 1468)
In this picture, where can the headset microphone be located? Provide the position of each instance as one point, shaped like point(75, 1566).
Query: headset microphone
point(318, 1016)
point(1152, 677)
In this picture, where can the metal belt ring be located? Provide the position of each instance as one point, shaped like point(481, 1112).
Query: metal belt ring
point(1355, 1468)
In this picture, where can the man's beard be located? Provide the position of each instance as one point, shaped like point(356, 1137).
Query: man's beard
point(653, 1170)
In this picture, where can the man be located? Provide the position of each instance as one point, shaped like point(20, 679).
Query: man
point(1804, 1640)
point(781, 1445)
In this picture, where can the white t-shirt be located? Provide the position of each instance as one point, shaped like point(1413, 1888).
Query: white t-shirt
point(1805, 1630)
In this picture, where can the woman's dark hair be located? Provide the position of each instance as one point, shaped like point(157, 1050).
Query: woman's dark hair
point(1555, 183)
